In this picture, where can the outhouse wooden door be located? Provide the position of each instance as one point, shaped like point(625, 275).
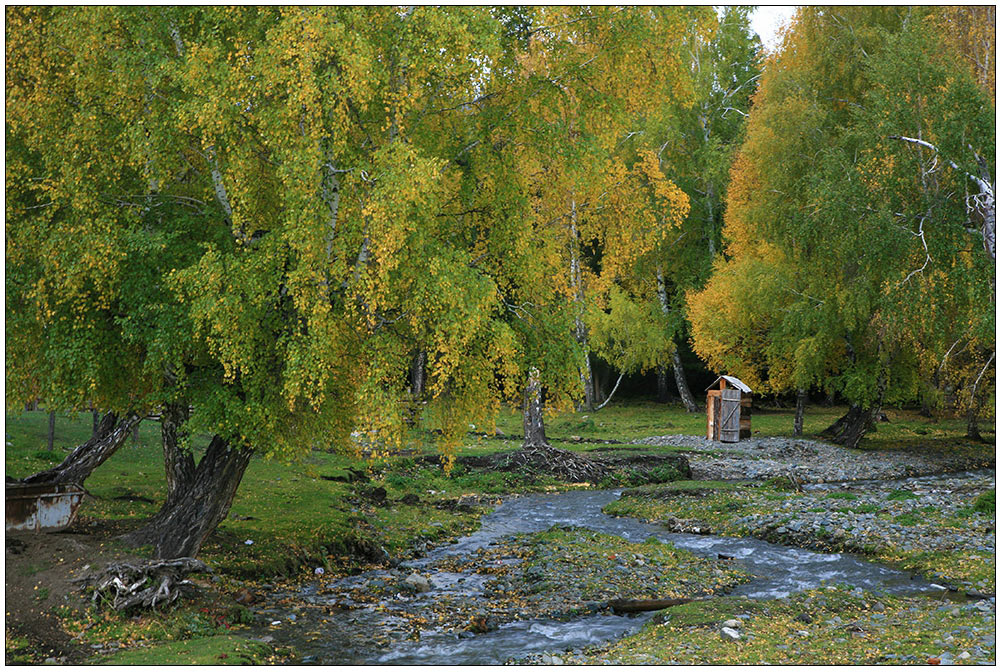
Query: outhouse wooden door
point(729, 424)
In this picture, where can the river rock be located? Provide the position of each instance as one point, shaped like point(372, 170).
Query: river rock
point(417, 583)
point(729, 634)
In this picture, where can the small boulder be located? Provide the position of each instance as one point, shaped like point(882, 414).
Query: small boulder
point(729, 635)
point(417, 583)
point(732, 623)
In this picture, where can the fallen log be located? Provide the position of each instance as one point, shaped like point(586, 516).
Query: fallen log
point(126, 585)
point(637, 606)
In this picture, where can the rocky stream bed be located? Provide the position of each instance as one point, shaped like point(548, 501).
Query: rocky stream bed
point(534, 583)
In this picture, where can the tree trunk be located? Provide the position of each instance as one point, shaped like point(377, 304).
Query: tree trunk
point(580, 329)
point(663, 391)
point(797, 425)
point(610, 394)
point(679, 373)
point(532, 422)
point(198, 505)
point(679, 380)
point(52, 430)
point(925, 411)
point(178, 462)
point(587, 379)
point(95, 418)
point(417, 374)
point(972, 429)
point(87, 457)
point(849, 429)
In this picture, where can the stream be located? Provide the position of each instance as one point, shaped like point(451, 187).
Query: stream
point(363, 634)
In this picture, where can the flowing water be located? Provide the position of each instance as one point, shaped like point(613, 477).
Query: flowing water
point(372, 636)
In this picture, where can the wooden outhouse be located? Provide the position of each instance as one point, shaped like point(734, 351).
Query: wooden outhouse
point(728, 410)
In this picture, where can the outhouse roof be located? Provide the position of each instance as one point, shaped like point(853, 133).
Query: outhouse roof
point(736, 382)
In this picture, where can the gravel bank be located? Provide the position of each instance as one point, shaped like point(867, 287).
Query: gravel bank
point(809, 461)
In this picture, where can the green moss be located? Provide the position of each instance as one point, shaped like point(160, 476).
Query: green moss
point(985, 503)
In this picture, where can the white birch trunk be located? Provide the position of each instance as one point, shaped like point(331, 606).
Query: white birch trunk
point(679, 371)
point(580, 329)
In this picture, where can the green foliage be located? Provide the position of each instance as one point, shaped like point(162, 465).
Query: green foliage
point(850, 264)
point(639, 317)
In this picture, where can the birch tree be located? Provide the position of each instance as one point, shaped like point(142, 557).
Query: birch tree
point(852, 226)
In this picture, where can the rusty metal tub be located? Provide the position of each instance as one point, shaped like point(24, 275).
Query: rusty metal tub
point(42, 508)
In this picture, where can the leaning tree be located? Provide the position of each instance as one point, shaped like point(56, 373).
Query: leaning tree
point(239, 217)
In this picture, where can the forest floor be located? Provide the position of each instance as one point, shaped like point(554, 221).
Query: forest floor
point(355, 513)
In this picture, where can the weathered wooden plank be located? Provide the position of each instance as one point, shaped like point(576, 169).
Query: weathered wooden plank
point(730, 416)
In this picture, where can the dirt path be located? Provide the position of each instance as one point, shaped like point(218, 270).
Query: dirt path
point(39, 570)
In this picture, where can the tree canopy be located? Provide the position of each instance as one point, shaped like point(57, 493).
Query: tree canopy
point(852, 258)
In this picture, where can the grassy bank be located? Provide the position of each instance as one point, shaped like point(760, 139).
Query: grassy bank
point(834, 626)
point(338, 513)
point(899, 528)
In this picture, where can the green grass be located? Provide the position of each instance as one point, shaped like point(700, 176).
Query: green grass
point(985, 503)
point(299, 520)
point(624, 421)
point(213, 650)
point(901, 495)
point(678, 573)
point(719, 505)
point(821, 627)
point(842, 495)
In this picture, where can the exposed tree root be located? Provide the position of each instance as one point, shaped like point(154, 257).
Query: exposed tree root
point(125, 585)
point(564, 465)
